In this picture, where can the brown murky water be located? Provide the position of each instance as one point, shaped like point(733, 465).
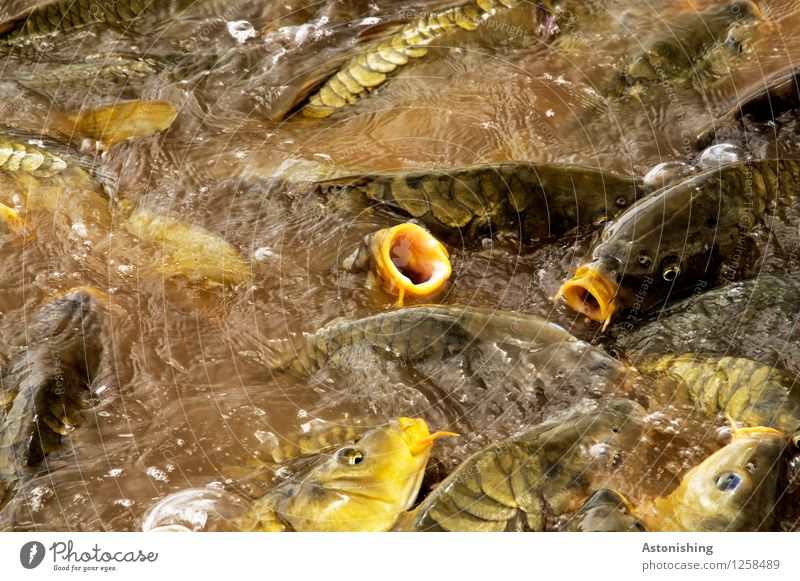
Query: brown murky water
point(184, 398)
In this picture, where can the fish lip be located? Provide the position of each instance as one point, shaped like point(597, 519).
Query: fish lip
point(425, 250)
point(590, 281)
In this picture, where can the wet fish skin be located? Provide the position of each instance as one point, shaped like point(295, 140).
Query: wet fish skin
point(436, 333)
point(605, 511)
point(368, 70)
point(688, 38)
point(541, 199)
point(319, 439)
point(46, 382)
point(749, 392)
point(734, 489)
point(740, 319)
point(678, 238)
point(522, 483)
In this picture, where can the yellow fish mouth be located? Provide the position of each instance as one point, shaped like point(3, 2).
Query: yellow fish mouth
point(410, 261)
point(417, 435)
point(591, 293)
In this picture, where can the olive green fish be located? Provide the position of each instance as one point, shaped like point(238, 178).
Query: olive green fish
point(48, 19)
point(366, 71)
point(44, 386)
point(734, 489)
point(605, 511)
point(753, 318)
point(687, 39)
point(526, 482)
point(678, 238)
point(748, 391)
point(538, 199)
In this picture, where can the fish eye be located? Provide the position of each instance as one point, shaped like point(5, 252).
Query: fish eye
point(671, 269)
point(750, 467)
point(621, 202)
point(644, 260)
point(350, 456)
point(728, 481)
point(796, 441)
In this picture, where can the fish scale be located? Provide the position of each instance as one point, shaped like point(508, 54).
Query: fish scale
point(544, 199)
point(16, 156)
point(750, 392)
point(365, 72)
point(544, 472)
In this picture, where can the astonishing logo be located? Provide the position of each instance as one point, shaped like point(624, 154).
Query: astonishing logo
point(31, 554)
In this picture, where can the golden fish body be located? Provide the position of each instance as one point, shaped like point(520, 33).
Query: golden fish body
point(541, 199)
point(19, 156)
point(734, 489)
point(522, 483)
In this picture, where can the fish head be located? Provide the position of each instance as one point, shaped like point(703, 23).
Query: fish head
point(606, 511)
point(734, 489)
point(660, 246)
point(366, 485)
point(410, 261)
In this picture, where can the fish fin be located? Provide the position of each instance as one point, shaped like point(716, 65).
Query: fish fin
point(123, 121)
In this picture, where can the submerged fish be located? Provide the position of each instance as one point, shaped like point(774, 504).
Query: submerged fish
point(44, 385)
point(538, 199)
point(408, 261)
point(525, 482)
point(123, 121)
point(48, 19)
point(764, 103)
point(748, 391)
point(678, 238)
point(734, 489)
point(368, 70)
point(19, 156)
point(178, 249)
point(676, 51)
point(365, 485)
point(605, 511)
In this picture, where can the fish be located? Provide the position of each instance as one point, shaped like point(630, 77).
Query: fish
point(739, 319)
point(364, 485)
point(763, 103)
point(749, 392)
point(44, 386)
point(48, 19)
point(678, 238)
point(527, 481)
point(179, 249)
point(540, 200)
point(373, 65)
point(406, 259)
point(675, 52)
point(606, 511)
point(734, 489)
point(122, 121)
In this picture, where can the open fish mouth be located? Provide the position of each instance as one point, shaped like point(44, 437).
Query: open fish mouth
point(410, 261)
point(591, 293)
